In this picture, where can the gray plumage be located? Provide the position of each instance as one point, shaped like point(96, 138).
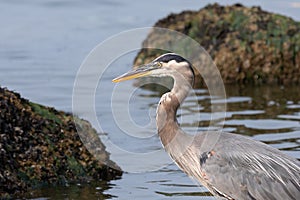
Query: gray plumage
point(230, 166)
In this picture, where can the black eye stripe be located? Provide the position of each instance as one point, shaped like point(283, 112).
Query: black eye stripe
point(170, 56)
point(165, 58)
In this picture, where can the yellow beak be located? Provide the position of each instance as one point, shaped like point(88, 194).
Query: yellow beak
point(137, 73)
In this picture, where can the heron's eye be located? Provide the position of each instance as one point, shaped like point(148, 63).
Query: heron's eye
point(159, 64)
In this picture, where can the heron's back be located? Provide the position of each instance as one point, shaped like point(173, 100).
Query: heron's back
point(238, 167)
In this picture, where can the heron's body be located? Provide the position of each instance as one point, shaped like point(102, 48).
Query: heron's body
point(228, 170)
point(228, 165)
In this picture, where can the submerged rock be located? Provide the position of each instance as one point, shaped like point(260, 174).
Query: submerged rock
point(40, 146)
point(248, 45)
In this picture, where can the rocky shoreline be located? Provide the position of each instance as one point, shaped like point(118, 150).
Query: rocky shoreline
point(40, 146)
point(248, 45)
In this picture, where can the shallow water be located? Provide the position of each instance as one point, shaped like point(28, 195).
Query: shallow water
point(42, 46)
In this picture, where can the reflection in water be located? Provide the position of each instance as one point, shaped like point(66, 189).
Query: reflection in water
point(73, 191)
point(278, 125)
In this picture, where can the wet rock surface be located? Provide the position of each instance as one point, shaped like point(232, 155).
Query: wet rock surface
point(248, 45)
point(40, 146)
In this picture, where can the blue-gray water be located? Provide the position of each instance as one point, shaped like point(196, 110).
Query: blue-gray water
point(43, 43)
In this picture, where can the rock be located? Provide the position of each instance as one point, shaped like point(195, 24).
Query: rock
point(40, 146)
point(248, 45)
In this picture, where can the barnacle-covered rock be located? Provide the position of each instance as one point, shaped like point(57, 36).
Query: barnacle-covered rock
point(248, 45)
point(40, 145)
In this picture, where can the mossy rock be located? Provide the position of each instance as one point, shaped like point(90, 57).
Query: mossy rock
point(248, 45)
point(41, 146)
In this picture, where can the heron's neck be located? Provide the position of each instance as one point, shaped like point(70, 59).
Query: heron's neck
point(181, 89)
point(183, 81)
point(167, 125)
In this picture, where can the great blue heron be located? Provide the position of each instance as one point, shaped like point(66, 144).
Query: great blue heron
point(235, 167)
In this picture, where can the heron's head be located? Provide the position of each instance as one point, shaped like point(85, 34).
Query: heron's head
point(165, 65)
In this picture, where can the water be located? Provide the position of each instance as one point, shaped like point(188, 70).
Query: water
point(42, 46)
